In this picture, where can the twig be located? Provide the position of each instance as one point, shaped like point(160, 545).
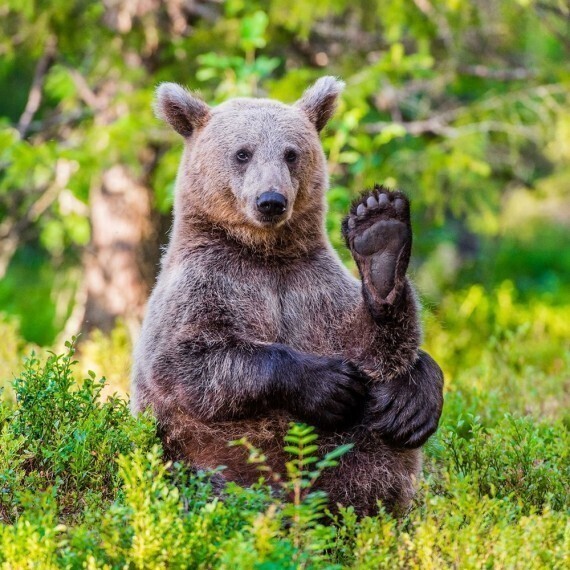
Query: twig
point(89, 97)
point(560, 13)
point(560, 10)
point(61, 120)
point(499, 74)
point(439, 124)
point(437, 127)
point(35, 94)
point(12, 228)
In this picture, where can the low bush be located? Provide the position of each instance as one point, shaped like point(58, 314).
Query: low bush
point(83, 484)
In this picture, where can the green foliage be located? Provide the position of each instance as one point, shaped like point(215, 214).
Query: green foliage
point(60, 436)
point(83, 484)
point(474, 533)
point(37, 295)
point(519, 458)
point(302, 516)
point(501, 354)
point(461, 103)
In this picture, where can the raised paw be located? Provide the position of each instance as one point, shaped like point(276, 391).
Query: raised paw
point(379, 235)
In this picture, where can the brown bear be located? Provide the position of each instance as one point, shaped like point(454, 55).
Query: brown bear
point(255, 322)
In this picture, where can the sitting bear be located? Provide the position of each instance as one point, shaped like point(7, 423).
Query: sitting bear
point(254, 322)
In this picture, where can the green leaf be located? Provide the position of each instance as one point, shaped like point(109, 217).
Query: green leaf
point(339, 451)
point(252, 30)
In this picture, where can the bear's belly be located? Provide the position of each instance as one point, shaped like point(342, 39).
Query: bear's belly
point(371, 471)
point(207, 446)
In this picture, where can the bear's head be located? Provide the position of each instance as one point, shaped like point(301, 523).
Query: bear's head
point(254, 167)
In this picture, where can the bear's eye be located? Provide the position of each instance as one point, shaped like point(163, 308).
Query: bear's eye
point(243, 155)
point(290, 156)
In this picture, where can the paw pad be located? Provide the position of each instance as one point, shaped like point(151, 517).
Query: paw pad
point(378, 232)
point(378, 204)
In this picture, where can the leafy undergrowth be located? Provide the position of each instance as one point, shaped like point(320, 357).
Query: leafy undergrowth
point(84, 485)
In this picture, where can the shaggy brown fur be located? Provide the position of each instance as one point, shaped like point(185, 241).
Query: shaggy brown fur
point(254, 321)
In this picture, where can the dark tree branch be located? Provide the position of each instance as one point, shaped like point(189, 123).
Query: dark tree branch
point(556, 10)
point(441, 123)
point(35, 94)
point(499, 74)
point(559, 13)
point(13, 227)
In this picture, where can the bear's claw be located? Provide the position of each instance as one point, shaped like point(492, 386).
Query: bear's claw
point(378, 233)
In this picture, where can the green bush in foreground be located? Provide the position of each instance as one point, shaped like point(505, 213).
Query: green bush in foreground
point(84, 485)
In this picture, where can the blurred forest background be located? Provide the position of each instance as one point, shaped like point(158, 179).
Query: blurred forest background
point(463, 104)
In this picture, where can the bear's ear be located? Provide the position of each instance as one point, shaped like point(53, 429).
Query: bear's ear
point(319, 100)
point(180, 109)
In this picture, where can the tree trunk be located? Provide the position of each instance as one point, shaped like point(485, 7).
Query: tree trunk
point(122, 259)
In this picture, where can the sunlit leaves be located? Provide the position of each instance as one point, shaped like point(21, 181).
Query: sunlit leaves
point(455, 102)
point(252, 31)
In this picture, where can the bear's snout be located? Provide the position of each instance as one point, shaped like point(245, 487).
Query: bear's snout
point(271, 204)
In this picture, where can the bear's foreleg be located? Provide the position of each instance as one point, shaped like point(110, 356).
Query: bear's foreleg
point(379, 235)
point(407, 394)
point(229, 379)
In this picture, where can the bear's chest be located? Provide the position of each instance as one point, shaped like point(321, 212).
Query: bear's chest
point(257, 309)
point(247, 299)
point(303, 304)
point(315, 299)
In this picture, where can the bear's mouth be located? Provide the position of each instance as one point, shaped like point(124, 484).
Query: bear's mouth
point(272, 221)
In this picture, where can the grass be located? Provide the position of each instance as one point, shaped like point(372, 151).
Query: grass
point(84, 485)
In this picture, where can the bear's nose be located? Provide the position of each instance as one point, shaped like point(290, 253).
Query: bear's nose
point(271, 203)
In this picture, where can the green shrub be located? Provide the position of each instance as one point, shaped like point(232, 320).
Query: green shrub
point(519, 458)
point(83, 484)
point(61, 435)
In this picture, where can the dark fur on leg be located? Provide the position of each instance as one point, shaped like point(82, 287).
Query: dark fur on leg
point(379, 235)
point(407, 399)
point(406, 410)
